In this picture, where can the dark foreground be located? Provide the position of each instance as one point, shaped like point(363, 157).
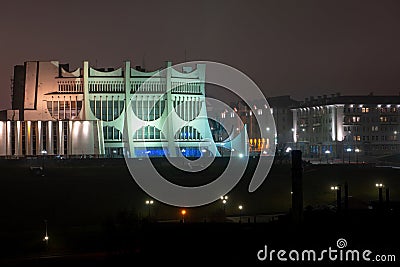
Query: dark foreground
point(97, 217)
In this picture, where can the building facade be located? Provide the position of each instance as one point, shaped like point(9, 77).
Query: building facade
point(104, 112)
point(350, 128)
point(280, 106)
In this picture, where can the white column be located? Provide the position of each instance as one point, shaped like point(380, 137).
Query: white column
point(50, 149)
point(39, 139)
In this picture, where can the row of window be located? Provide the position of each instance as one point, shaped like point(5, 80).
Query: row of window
point(186, 88)
point(188, 133)
point(70, 87)
point(111, 134)
point(106, 87)
point(107, 110)
point(187, 108)
point(66, 109)
point(147, 87)
point(369, 109)
point(372, 138)
point(358, 119)
point(148, 133)
point(374, 128)
point(145, 107)
point(148, 108)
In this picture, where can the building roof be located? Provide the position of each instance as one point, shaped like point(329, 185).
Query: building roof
point(358, 99)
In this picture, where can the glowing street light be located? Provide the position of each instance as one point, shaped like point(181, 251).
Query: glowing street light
point(46, 236)
point(44, 153)
point(183, 213)
point(327, 152)
point(380, 193)
point(240, 213)
point(357, 150)
point(338, 190)
point(348, 151)
point(149, 203)
point(224, 201)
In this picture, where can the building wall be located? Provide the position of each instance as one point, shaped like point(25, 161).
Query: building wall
point(283, 119)
point(94, 107)
point(348, 127)
point(31, 138)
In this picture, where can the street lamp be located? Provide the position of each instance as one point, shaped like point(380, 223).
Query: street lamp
point(380, 192)
point(327, 152)
point(149, 203)
point(348, 151)
point(240, 213)
point(224, 201)
point(183, 213)
point(357, 150)
point(46, 237)
point(44, 153)
point(338, 190)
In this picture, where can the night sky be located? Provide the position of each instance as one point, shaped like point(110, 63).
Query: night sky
point(300, 48)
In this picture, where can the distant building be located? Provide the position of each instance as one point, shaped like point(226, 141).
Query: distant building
point(347, 127)
point(61, 112)
point(280, 106)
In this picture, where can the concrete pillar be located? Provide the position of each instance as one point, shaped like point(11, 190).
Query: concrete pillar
point(49, 136)
point(128, 111)
point(86, 106)
point(170, 109)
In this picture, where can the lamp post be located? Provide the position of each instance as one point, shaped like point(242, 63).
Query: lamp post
point(224, 202)
point(380, 194)
point(327, 152)
point(183, 213)
point(44, 153)
point(240, 213)
point(338, 190)
point(349, 151)
point(357, 151)
point(149, 203)
point(46, 237)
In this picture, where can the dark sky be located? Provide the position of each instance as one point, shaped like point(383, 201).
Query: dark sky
point(300, 48)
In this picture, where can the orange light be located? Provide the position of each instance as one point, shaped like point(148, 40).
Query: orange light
point(183, 212)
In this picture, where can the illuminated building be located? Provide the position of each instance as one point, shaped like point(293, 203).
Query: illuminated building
point(84, 112)
point(347, 126)
point(280, 106)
